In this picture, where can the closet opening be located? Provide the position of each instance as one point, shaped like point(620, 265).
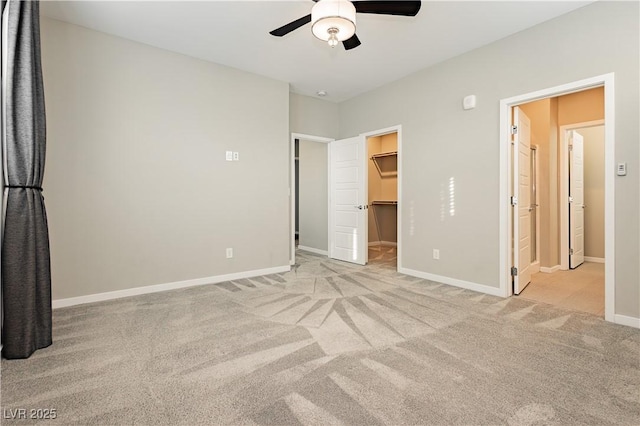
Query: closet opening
point(382, 152)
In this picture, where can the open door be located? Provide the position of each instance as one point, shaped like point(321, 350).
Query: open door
point(522, 205)
point(576, 200)
point(348, 206)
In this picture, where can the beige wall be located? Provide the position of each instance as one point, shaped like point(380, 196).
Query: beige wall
point(580, 107)
point(389, 184)
point(137, 187)
point(428, 106)
point(374, 186)
point(313, 193)
point(593, 191)
point(313, 116)
point(382, 218)
point(554, 184)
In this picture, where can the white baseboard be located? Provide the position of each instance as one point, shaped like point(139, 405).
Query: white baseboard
point(481, 288)
point(99, 297)
point(594, 259)
point(535, 267)
point(549, 270)
point(383, 243)
point(314, 250)
point(628, 321)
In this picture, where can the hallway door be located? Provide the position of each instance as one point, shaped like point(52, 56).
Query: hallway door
point(576, 200)
point(522, 207)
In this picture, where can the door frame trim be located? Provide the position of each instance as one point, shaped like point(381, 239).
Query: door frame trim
point(563, 192)
point(381, 132)
point(292, 186)
point(505, 219)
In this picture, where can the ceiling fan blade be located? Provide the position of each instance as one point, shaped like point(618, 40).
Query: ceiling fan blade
point(351, 43)
point(401, 8)
point(286, 29)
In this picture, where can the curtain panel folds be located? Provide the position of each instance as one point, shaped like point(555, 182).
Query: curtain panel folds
point(26, 271)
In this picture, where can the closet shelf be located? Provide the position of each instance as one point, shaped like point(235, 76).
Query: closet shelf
point(384, 154)
point(386, 163)
point(384, 203)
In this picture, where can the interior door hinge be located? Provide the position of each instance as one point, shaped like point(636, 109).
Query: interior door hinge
point(514, 201)
point(570, 251)
point(514, 130)
point(514, 271)
point(570, 147)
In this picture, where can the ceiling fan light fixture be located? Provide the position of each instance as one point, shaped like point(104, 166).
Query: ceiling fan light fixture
point(333, 20)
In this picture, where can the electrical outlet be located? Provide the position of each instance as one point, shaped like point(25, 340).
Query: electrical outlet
point(229, 253)
point(436, 254)
point(236, 156)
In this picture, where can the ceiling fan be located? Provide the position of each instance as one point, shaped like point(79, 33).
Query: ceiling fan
point(335, 20)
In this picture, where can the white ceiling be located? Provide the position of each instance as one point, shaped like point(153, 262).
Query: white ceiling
point(236, 33)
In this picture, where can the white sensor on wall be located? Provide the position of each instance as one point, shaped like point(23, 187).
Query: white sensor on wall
point(621, 170)
point(469, 102)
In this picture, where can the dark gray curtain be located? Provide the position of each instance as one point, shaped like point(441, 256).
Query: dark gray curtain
point(26, 273)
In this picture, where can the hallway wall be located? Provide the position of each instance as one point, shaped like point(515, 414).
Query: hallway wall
point(313, 195)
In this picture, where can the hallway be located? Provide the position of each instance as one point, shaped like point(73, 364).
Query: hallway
point(580, 289)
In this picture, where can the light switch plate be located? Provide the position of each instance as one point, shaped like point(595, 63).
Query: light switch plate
point(229, 155)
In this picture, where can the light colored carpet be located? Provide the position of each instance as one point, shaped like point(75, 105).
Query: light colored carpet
point(329, 343)
point(580, 289)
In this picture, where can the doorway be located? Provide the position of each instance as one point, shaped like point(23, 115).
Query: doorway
point(577, 283)
point(556, 125)
point(364, 198)
point(547, 209)
point(309, 194)
point(382, 152)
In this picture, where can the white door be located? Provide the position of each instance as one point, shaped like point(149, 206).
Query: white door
point(523, 205)
point(348, 206)
point(576, 200)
